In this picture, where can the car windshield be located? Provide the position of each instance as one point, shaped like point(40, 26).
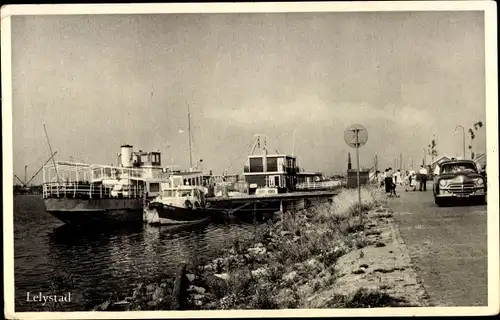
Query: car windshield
point(458, 167)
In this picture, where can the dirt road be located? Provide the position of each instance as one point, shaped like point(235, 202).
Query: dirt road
point(448, 247)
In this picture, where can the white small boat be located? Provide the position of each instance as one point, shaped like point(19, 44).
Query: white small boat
point(178, 205)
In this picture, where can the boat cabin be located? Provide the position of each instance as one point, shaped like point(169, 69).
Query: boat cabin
point(183, 196)
point(137, 174)
point(271, 170)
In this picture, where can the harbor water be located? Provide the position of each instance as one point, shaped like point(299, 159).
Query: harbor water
point(51, 258)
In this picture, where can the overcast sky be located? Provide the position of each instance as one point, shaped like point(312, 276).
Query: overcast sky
point(101, 81)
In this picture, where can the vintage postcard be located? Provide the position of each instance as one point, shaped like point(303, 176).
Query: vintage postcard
point(250, 159)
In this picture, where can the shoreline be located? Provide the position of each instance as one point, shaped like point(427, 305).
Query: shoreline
point(323, 257)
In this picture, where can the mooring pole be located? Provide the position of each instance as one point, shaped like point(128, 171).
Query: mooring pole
point(357, 164)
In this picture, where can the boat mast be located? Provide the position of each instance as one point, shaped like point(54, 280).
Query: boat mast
point(51, 153)
point(189, 135)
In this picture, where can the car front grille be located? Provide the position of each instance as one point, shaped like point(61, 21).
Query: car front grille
point(461, 188)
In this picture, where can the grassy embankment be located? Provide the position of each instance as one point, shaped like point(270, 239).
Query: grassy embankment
point(328, 256)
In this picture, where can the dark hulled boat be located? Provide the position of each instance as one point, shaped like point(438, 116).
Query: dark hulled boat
point(179, 204)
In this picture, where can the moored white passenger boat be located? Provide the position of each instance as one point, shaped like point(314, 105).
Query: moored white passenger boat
point(89, 194)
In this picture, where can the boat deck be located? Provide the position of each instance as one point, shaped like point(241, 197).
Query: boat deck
point(276, 197)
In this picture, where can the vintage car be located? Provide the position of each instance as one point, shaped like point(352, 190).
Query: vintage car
point(458, 179)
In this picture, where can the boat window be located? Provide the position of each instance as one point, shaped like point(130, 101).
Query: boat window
point(168, 193)
point(272, 164)
point(185, 193)
point(154, 187)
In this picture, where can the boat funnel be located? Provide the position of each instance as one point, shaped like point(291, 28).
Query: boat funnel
point(126, 156)
point(225, 191)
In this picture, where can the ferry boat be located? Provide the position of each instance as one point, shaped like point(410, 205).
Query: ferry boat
point(91, 194)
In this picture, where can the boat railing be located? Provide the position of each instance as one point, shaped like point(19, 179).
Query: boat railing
point(84, 190)
point(317, 185)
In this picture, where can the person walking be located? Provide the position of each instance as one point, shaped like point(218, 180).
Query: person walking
point(423, 178)
point(388, 180)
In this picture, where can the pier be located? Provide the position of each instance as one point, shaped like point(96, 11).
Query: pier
point(270, 203)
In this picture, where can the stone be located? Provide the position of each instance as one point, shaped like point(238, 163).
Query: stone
point(224, 276)
point(258, 250)
point(260, 272)
point(198, 297)
point(290, 276)
point(196, 289)
point(198, 303)
point(158, 294)
point(190, 277)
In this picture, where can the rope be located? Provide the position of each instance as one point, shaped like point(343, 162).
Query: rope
point(236, 154)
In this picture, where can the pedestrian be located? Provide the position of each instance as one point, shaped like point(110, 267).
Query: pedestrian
point(396, 177)
point(423, 178)
point(406, 180)
point(399, 178)
point(388, 180)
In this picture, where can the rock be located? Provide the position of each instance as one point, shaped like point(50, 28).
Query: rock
point(306, 289)
point(150, 288)
point(190, 277)
point(286, 298)
point(198, 297)
point(260, 272)
point(290, 276)
point(258, 250)
point(151, 303)
point(102, 307)
point(313, 263)
point(123, 305)
point(158, 294)
point(196, 289)
point(224, 276)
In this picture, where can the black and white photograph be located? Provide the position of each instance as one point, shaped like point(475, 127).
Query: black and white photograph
point(250, 159)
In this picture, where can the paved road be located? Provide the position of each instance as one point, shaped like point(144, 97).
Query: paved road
point(448, 246)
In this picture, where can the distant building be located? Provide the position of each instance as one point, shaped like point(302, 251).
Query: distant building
point(438, 161)
point(481, 160)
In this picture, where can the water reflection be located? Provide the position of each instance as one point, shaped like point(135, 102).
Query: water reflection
point(93, 264)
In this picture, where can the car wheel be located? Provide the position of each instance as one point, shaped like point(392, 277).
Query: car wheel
point(481, 200)
point(438, 201)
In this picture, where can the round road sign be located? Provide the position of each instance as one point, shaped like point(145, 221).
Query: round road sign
point(355, 136)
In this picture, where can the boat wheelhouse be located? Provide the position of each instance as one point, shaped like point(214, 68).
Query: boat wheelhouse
point(271, 170)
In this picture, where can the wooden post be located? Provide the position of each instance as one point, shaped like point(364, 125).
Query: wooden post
point(180, 288)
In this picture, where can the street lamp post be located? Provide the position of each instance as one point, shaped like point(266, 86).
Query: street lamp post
point(463, 137)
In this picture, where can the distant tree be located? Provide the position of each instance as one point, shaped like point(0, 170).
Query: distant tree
point(432, 149)
point(475, 127)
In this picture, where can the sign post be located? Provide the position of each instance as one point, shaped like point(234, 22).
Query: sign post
point(356, 136)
